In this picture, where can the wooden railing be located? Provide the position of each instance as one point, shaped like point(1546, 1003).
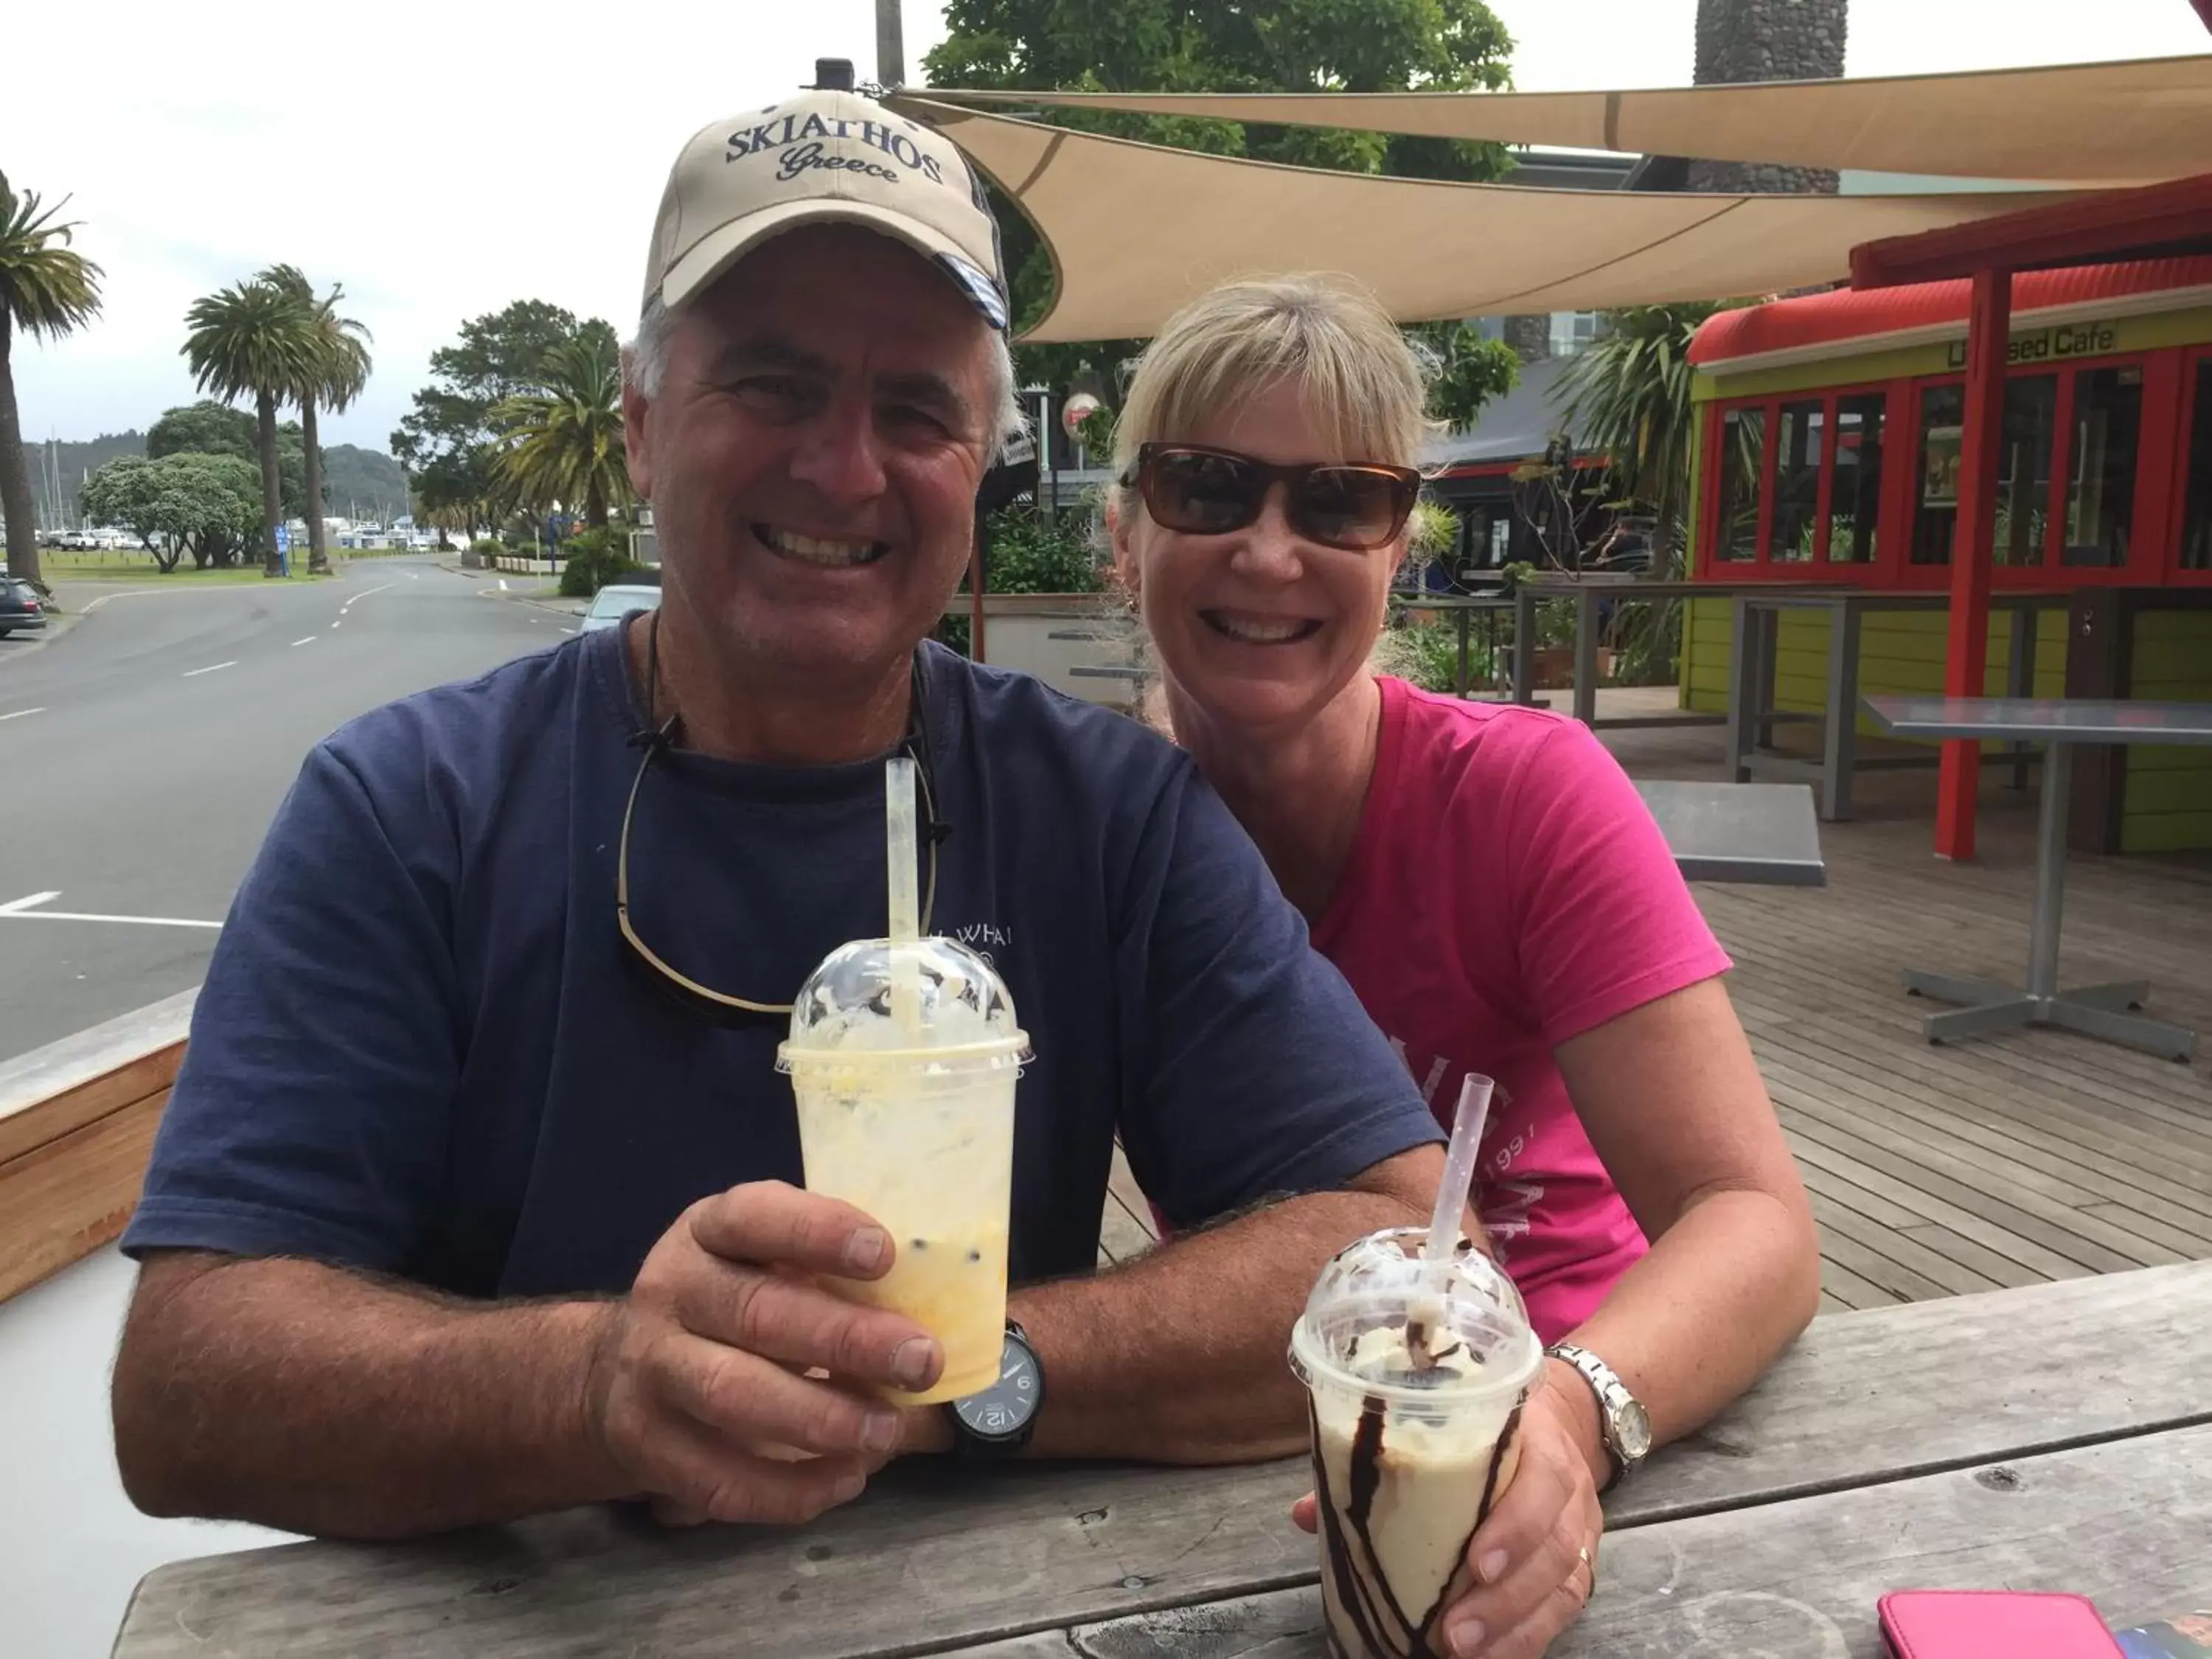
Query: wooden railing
point(77, 1122)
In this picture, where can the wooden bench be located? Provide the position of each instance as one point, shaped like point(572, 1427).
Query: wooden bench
point(76, 1124)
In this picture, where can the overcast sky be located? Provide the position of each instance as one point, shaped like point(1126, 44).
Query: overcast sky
point(443, 157)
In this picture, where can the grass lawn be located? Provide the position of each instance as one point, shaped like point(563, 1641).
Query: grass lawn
point(140, 568)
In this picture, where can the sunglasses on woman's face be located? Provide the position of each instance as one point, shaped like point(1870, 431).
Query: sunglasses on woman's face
point(1209, 492)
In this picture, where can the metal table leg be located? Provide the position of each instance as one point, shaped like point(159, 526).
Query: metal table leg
point(1462, 650)
point(1739, 693)
point(2121, 996)
point(2098, 1011)
point(1840, 731)
point(1586, 656)
point(1766, 655)
point(1524, 644)
point(2050, 872)
point(2020, 682)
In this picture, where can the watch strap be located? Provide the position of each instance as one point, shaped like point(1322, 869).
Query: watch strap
point(1612, 1396)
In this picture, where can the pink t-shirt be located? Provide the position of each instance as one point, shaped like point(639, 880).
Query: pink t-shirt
point(1508, 890)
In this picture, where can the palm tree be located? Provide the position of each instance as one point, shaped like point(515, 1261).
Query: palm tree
point(46, 290)
point(564, 443)
point(1628, 397)
point(334, 372)
point(253, 340)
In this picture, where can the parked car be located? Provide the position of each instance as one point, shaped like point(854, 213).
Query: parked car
point(20, 607)
point(611, 605)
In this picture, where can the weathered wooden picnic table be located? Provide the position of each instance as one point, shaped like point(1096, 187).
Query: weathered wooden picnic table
point(2058, 1436)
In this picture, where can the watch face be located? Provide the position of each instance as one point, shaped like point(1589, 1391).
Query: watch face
point(1004, 1409)
point(1633, 1425)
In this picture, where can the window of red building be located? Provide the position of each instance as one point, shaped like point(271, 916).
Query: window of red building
point(2196, 507)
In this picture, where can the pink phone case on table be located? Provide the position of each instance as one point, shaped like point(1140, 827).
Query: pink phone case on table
point(1993, 1624)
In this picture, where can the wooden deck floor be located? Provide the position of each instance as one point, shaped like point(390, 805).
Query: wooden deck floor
point(1995, 1161)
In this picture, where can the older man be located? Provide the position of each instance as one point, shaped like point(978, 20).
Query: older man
point(478, 1192)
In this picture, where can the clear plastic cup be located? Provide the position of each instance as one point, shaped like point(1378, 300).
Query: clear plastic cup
point(1409, 1459)
point(912, 1120)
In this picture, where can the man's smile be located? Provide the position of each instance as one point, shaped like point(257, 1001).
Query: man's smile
point(818, 550)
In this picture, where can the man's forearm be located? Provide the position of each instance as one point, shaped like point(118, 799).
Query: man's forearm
point(1179, 1358)
point(304, 1397)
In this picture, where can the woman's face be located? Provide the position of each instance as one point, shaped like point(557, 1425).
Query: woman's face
point(1257, 629)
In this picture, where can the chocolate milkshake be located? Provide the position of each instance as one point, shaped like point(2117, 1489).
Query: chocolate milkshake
point(1416, 1381)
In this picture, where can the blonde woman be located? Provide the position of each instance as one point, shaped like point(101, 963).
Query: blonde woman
point(1489, 882)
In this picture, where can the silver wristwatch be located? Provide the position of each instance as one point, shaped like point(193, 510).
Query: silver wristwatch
point(1622, 1420)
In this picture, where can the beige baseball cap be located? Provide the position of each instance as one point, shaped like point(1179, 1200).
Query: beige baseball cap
point(822, 157)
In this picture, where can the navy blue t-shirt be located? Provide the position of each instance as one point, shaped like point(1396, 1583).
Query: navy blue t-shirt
point(423, 1049)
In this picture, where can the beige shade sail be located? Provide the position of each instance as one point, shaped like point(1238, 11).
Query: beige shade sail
point(2097, 123)
point(1136, 230)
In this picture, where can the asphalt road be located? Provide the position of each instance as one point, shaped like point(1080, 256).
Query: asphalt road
point(142, 753)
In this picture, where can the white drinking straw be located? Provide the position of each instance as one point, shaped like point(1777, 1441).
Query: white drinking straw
point(1452, 1194)
point(901, 841)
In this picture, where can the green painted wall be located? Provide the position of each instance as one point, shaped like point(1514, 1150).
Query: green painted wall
point(1898, 651)
point(2167, 803)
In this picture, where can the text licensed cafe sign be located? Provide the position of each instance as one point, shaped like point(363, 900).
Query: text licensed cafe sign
point(2052, 344)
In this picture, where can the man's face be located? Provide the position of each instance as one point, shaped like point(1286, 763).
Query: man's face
point(812, 457)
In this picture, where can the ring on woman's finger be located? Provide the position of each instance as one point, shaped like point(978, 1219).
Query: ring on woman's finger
point(1589, 1572)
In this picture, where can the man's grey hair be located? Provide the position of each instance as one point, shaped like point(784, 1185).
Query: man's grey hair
point(645, 361)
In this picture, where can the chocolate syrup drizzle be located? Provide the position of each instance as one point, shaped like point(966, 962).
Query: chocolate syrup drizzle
point(1384, 1631)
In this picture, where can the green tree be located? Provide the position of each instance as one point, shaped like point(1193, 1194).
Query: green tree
point(449, 440)
point(206, 427)
point(179, 503)
point(47, 289)
point(563, 443)
point(1627, 396)
point(1025, 552)
point(117, 494)
point(253, 340)
point(333, 371)
point(1469, 370)
point(1203, 45)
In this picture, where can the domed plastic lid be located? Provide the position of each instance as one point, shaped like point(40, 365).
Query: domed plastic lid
point(1375, 1312)
point(961, 1003)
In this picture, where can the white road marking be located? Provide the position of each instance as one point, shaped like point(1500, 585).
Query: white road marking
point(20, 713)
point(126, 594)
point(363, 594)
point(193, 673)
point(567, 630)
point(18, 912)
point(310, 640)
point(338, 624)
point(502, 584)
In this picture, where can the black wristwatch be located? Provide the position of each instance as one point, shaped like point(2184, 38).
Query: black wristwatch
point(998, 1421)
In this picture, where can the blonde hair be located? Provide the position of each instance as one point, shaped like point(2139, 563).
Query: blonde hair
point(1362, 381)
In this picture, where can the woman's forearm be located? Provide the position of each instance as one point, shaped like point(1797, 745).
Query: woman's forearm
point(1698, 1320)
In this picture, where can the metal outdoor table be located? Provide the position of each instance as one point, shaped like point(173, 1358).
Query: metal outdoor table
point(1463, 607)
point(2058, 723)
point(1761, 833)
point(1589, 590)
point(2050, 1437)
point(1754, 634)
